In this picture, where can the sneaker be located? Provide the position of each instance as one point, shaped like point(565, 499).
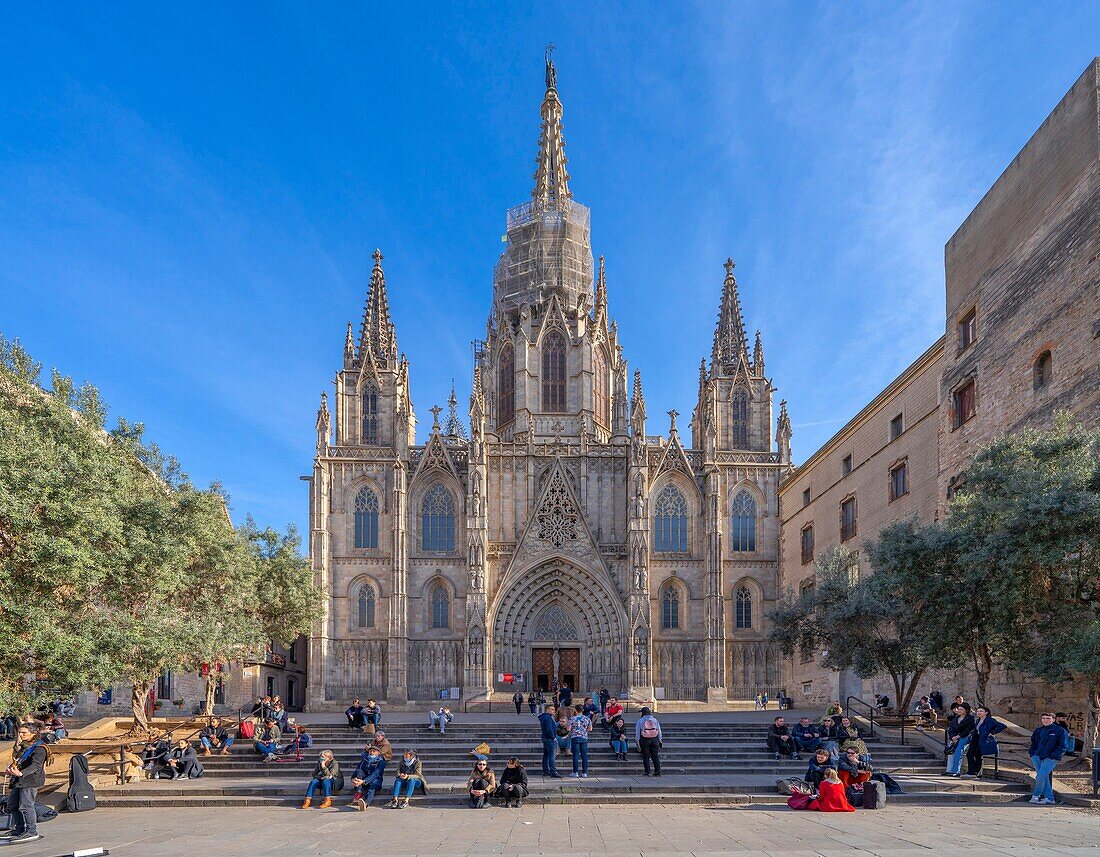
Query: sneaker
point(519, 803)
point(777, 757)
point(1035, 799)
point(1048, 801)
point(394, 804)
point(584, 776)
point(360, 805)
point(796, 757)
point(657, 774)
point(557, 776)
point(405, 803)
point(575, 775)
point(25, 837)
point(968, 776)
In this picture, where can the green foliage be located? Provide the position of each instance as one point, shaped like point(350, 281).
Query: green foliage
point(118, 568)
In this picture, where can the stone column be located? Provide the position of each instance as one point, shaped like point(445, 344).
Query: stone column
point(713, 606)
point(397, 659)
point(320, 640)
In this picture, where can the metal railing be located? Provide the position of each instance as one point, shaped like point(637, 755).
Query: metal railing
point(870, 711)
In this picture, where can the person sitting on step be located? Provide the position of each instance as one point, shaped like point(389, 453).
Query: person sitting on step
point(267, 740)
point(848, 735)
point(326, 775)
point(354, 714)
point(807, 736)
point(440, 718)
point(182, 763)
point(155, 755)
point(372, 714)
point(383, 744)
point(927, 713)
point(481, 783)
point(780, 741)
point(513, 783)
point(215, 737)
point(367, 778)
point(410, 774)
point(853, 770)
point(132, 766)
point(614, 709)
point(819, 764)
point(618, 737)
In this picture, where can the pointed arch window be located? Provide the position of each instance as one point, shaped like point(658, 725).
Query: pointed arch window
point(600, 393)
point(506, 385)
point(743, 522)
point(743, 608)
point(670, 521)
point(739, 420)
point(670, 608)
point(368, 406)
point(437, 520)
point(553, 373)
point(365, 603)
point(441, 606)
point(366, 519)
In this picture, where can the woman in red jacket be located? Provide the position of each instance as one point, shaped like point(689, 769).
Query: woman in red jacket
point(830, 795)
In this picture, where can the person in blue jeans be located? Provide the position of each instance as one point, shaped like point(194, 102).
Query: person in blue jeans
point(960, 728)
point(410, 774)
point(215, 737)
point(1048, 743)
point(580, 726)
point(807, 736)
point(548, 732)
point(367, 778)
point(325, 775)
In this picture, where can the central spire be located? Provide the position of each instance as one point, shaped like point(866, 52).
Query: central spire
point(551, 176)
point(730, 345)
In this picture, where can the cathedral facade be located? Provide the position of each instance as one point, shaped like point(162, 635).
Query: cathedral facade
point(555, 541)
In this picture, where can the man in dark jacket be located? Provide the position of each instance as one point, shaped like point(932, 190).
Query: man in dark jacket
point(517, 701)
point(780, 741)
point(807, 736)
point(28, 775)
point(367, 777)
point(1048, 743)
point(548, 729)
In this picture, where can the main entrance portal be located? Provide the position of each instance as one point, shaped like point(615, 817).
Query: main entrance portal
point(556, 665)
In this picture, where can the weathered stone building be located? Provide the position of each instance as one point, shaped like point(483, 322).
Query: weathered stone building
point(1022, 342)
point(555, 540)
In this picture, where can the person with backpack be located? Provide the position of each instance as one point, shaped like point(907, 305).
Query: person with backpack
point(1048, 745)
point(580, 727)
point(650, 738)
point(1060, 719)
point(28, 775)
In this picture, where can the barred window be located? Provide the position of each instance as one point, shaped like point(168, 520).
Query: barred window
point(743, 608)
point(366, 519)
point(670, 607)
point(670, 521)
point(437, 520)
point(366, 604)
point(743, 522)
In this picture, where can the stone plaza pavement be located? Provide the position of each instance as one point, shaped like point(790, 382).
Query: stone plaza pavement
point(601, 831)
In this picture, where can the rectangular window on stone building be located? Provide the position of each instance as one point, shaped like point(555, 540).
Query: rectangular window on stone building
point(967, 329)
point(848, 519)
point(846, 465)
point(897, 426)
point(899, 480)
point(962, 405)
point(806, 498)
point(807, 544)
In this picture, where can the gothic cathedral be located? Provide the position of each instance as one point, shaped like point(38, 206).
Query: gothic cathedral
point(555, 541)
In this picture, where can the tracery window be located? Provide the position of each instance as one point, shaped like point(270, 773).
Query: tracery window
point(553, 373)
point(743, 608)
point(368, 405)
point(437, 520)
point(743, 522)
point(670, 521)
point(670, 607)
point(366, 519)
point(441, 606)
point(506, 385)
point(600, 393)
point(739, 420)
point(366, 604)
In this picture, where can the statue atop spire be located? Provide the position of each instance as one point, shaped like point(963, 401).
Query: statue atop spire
point(551, 71)
point(377, 337)
point(551, 177)
point(730, 345)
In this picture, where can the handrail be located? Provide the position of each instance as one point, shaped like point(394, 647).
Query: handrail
point(870, 711)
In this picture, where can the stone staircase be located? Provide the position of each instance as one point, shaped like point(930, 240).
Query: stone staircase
point(702, 762)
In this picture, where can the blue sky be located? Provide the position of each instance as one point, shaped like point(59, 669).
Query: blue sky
point(189, 195)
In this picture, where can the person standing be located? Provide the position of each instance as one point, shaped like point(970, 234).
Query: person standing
point(532, 703)
point(982, 742)
point(604, 697)
point(28, 775)
point(548, 731)
point(517, 701)
point(650, 738)
point(580, 726)
point(1048, 744)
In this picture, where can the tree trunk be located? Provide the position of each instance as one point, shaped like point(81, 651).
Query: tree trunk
point(983, 667)
point(211, 686)
point(1092, 727)
point(139, 695)
point(905, 699)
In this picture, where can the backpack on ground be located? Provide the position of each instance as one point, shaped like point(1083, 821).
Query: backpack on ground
point(247, 729)
point(874, 795)
point(855, 794)
point(650, 728)
point(892, 785)
point(81, 795)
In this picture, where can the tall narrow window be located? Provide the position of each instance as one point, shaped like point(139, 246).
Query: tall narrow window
point(600, 392)
point(670, 608)
point(739, 420)
point(899, 481)
point(441, 606)
point(743, 522)
point(1042, 370)
point(847, 519)
point(807, 543)
point(897, 426)
point(437, 520)
point(967, 329)
point(506, 385)
point(670, 521)
point(553, 373)
point(743, 608)
point(366, 604)
point(366, 519)
point(963, 405)
point(368, 405)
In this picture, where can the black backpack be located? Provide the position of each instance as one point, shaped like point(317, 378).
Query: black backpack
point(81, 795)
